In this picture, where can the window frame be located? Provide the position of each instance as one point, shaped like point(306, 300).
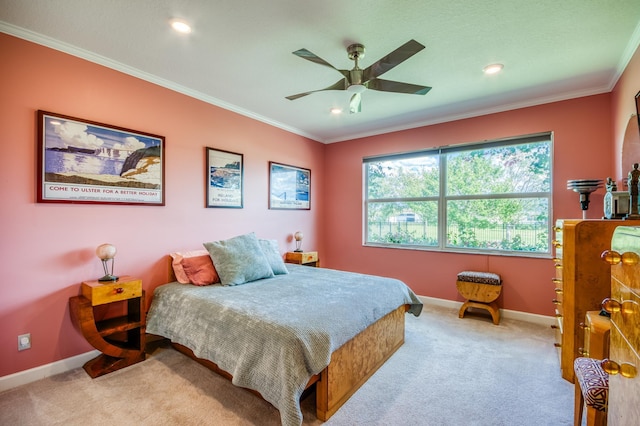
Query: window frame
point(442, 198)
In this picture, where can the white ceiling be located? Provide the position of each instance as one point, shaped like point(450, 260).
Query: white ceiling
point(239, 55)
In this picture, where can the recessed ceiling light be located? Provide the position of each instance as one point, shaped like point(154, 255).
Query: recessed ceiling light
point(493, 68)
point(335, 110)
point(180, 26)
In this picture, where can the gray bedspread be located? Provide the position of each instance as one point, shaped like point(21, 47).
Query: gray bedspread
point(272, 335)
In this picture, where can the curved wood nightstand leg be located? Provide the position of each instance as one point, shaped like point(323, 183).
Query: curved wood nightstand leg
point(115, 355)
point(104, 364)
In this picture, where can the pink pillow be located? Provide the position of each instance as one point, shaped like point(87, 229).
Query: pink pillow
point(200, 270)
point(178, 257)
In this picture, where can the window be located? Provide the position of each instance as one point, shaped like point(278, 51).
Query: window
point(486, 197)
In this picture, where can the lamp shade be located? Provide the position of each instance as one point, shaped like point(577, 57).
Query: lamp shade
point(106, 251)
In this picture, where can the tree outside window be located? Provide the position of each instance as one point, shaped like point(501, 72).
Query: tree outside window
point(484, 197)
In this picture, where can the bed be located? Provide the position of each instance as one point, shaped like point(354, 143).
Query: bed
point(279, 335)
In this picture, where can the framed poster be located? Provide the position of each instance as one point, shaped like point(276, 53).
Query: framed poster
point(224, 178)
point(81, 161)
point(289, 187)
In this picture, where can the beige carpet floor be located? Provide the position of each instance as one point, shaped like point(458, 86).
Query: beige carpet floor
point(450, 371)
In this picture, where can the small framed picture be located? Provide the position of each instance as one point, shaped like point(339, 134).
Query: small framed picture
point(224, 178)
point(289, 187)
point(82, 161)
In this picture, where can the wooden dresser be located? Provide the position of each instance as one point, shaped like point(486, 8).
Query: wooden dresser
point(624, 305)
point(582, 281)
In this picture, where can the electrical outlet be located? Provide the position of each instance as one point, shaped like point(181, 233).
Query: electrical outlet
point(24, 341)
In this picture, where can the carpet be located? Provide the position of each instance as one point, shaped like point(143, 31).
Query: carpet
point(450, 371)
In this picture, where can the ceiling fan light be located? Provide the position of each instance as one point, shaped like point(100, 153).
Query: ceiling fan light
point(180, 26)
point(493, 68)
point(356, 88)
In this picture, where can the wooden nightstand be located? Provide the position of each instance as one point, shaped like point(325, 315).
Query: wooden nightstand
point(307, 258)
point(121, 339)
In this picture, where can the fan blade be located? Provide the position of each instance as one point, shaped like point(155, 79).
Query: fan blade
point(394, 58)
point(355, 104)
point(309, 56)
point(397, 87)
point(338, 85)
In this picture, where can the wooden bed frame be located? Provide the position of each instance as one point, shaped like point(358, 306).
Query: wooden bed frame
point(351, 365)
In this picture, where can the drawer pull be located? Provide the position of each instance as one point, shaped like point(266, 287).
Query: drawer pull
point(630, 258)
point(625, 369)
point(119, 290)
point(612, 257)
point(583, 352)
point(611, 305)
point(556, 280)
point(558, 265)
point(627, 307)
point(584, 326)
point(556, 302)
point(557, 228)
point(558, 290)
point(556, 243)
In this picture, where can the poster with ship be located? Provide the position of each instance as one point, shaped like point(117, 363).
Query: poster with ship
point(82, 161)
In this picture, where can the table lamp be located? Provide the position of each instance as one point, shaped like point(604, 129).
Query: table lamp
point(298, 237)
point(106, 252)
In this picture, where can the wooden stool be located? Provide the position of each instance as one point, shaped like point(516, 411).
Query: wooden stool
point(481, 289)
point(592, 388)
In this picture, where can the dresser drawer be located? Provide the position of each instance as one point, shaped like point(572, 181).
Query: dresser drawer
point(623, 391)
point(557, 281)
point(558, 330)
point(558, 302)
point(629, 315)
point(558, 266)
point(100, 293)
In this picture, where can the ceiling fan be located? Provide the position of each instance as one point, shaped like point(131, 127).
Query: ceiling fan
point(358, 80)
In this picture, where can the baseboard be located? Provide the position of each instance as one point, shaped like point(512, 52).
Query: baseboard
point(504, 313)
point(27, 376)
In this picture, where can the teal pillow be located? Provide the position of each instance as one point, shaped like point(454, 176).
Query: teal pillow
point(272, 253)
point(239, 260)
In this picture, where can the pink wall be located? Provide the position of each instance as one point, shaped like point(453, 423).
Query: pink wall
point(625, 121)
point(48, 249)
point(582, 130)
